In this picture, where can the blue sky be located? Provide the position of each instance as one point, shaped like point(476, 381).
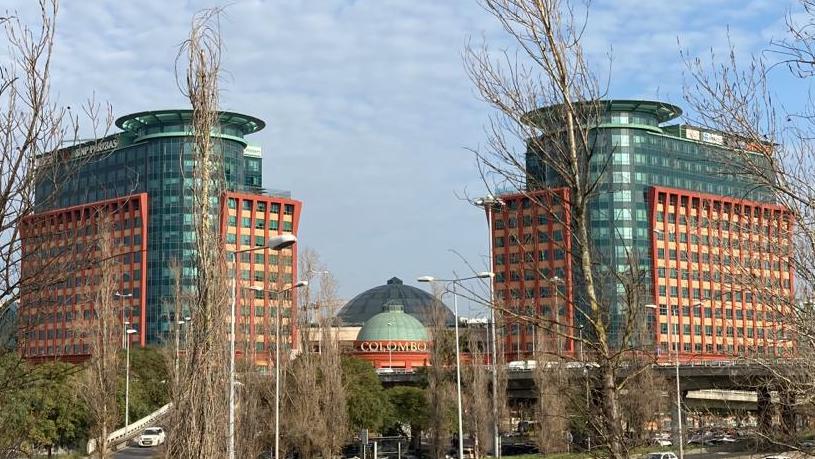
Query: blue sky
point(368, 109)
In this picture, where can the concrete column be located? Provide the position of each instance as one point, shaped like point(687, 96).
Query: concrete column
point(765, 412)
point(789, 419)
point(674, 423)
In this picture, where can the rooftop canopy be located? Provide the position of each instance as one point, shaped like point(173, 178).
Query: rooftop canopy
point(137, 122)
point(662, 111)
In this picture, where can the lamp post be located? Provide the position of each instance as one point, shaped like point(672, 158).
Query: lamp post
point(179, 324)
point(278, 242)
point(676, 364)
point(454, 282)
point(556, 281)
point(277, 293)
point(122, 296)
point(390, 348)
point(489, 202)
point(128, 331)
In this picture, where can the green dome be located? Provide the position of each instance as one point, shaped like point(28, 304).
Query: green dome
point(403, 327)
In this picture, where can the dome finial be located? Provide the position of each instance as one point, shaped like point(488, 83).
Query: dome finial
point(395, 281)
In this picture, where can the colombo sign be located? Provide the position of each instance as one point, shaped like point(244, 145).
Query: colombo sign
point(392, 346)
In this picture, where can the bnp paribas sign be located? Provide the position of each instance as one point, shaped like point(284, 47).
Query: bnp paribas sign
point(94, 148)
point(392, 346)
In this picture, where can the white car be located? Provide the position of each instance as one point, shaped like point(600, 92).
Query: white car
point(667, 455)
point(152, 436)
point(661, 442)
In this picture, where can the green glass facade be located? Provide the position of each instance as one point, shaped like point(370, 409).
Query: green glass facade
point(154, 154)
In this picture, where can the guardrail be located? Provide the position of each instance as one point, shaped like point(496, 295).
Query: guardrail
point(126, 433)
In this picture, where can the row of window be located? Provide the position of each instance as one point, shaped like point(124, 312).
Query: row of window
point(729, 332)
point(246, 239)
point(543, 237)
point(749, 314)
point(531, 292)
point(260, 223)
point(260, 206)
point(68, 349)
point(262, 276)
point(529, 256)
point(729, 349)
point(714, 258)
point(697, 293)
point(527, 220)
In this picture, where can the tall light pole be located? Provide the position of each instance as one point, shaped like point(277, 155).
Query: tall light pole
point(556, 281)
point(390, 348)
point(488, 203)
point(676, 365)
point(179, 324)
point(302, 283)
point(122, 296)
point(454, 282)
point(129, 331)
point(278, 242)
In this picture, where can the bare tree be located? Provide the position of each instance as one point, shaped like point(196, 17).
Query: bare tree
point(773, 146)
point(564, 165)
point(101, 378)
point(201, 402)
point(317, 423)
point(476, 399)
point(440, 382)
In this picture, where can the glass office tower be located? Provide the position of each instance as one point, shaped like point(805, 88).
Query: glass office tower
point(638, 160)
point(154, 155)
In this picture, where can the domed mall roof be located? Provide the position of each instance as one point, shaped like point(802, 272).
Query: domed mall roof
point(392, 324)
point(416, 302)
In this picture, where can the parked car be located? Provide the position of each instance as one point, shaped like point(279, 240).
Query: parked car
point(661, 442)
point(152, 436)
point(777, 457)
point(666, 455)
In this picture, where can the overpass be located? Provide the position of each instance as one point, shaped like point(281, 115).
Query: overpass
point(717, 385)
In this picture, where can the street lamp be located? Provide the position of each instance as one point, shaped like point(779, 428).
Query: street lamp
point(124, 322)
point(278, 242)
point(489, 202)
point(678, 393)
point(302, 283)
point(128, 331)
point(179, 324)
point(390, 348)
point(556, 281)
point(454, 282)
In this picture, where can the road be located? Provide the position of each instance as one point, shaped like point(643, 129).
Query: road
point(137, 452)
point(740, 455)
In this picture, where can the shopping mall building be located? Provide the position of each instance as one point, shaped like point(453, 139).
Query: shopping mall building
point(136, 187)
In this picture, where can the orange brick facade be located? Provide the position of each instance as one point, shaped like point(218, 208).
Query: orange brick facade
point(60, 275)
point(248, 221)
point(533, 269)
point(721, 274)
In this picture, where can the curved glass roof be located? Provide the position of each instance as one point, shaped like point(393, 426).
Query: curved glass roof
point(417, 303)
point(392, 325)
point(136, 122)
